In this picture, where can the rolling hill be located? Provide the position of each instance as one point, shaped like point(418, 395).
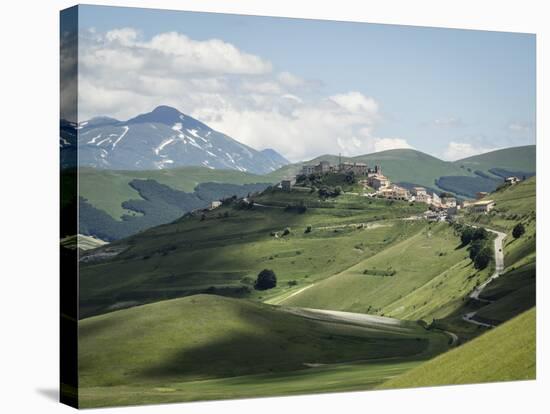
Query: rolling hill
point(171, 313)
point(222, 251)
point(107, 190)
point(169, 348)
point(507, 353)
point(427, 275)
point(400, 165)
point(115, 207)
point(522, 159)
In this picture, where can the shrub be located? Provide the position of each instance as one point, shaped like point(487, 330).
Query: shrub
point(266, 280)
point(518, 231)
point(292, 283)
point(308, 229)
point(286, 231)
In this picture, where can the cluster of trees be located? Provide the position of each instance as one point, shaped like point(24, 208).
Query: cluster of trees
point(480, 249)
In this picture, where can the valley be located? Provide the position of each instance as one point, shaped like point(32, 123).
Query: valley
point(373, 283)
point(368, 291)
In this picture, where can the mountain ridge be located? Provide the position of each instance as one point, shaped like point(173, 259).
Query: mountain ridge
point(161, 139)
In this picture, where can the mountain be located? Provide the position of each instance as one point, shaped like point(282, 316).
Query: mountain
point(275, 156)
point(163, 138)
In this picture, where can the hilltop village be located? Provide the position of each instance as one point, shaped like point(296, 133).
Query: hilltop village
point(375, 184)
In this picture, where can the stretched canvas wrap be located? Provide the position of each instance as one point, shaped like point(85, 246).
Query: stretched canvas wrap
point(256, 206)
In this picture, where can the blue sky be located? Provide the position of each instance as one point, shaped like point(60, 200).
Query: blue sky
point(351, 87)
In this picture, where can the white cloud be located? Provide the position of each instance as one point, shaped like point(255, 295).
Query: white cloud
point(384, 144)
point(290, 80)
point(122, 74)
point(520, 126)
point(451, 122)
point(357, 103)
point(458, 150)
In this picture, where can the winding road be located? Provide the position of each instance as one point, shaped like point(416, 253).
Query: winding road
point(499, 267)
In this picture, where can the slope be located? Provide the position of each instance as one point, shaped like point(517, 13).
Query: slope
point(202, 337)
point(108, 189)
point(522, 159)
point(223, 250)
point(400, 165)
point(422, 277)
point(508, 353)
point(163, 138)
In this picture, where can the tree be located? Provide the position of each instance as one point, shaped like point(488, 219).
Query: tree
point(286, 231)
point(350, 177)
point(466, 235)
point(480, 234)
point(308, 229)
point(475, 247)
point(483, 258)
point(518, 231)
point(266, 280)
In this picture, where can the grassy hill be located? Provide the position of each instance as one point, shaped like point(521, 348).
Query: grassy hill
point(515, 290)
point(223, 250)
point(423, 276)
point(513, 159)
point(108, 189)
point(400, 165)
point(507, 353)
point(168, 350)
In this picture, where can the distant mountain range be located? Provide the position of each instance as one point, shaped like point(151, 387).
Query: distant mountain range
point(163, 138)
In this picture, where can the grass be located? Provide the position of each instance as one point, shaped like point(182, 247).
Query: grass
point(212, 345)
point(507, 353)
point(513, 204)
point(108, 189)
point(515, 159)
point(333, 378)
point(432, 275)
point(396, 164)
point(224, 254)
point(512, 293)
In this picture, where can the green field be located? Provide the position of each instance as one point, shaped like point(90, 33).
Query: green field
point(150, 334)
point(108, 189)
point(170, 348)
point(432, 275)
point(513, 204)
point(507, 353)
point(223, 253)
point(514, 159)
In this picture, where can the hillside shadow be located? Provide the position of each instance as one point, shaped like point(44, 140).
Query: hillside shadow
point(278, 346)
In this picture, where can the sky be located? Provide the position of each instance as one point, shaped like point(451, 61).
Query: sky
point(311, 87)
